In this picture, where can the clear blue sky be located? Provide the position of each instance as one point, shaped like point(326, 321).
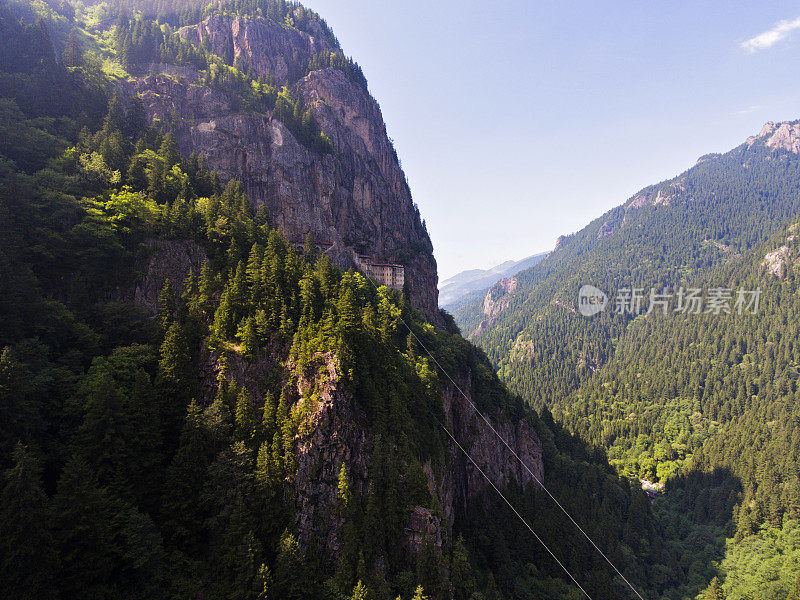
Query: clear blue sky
point(519, 121)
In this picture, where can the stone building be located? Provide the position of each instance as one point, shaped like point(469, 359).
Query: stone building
point(388, 274)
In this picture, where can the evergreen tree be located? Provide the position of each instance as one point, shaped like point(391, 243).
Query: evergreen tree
point(28, 558)
point(359, 592)
point(245, 417)
point(97, 536)
point(182, 509)
point(72, 54)
point(223, 317)
point(461, 572)
point(264, 474)
point(249, 337)
point(289, 575)
point(268, 417)
point(176, 382)
point(166, 305)
point(169, 151)
point(714, 591)
point(343, 494)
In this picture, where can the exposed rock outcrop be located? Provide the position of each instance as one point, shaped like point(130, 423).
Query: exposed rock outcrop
point(462, 483)
point(777, 261)
point(171, 260)
point(356, 197)
point(335, 434)
point(656, 195)
point(255, 42)
point(498, 297)
point(779, 136)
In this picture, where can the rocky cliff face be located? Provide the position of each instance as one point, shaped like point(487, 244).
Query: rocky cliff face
point(497, 299)
point(335, 433)
point(779, 136)
point(356, 198)
point(334, 429)
point(255, 42)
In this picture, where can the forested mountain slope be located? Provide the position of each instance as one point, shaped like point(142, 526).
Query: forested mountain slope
point(191, 407)
point(703, 401)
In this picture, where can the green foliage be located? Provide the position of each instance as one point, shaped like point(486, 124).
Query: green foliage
point(704, 402)
point(158, 480)
point(29, 561)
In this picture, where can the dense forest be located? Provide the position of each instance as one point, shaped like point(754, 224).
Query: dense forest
point(704, 402)
point(137, 460)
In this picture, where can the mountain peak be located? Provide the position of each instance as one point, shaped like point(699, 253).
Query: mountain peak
point(779, 136)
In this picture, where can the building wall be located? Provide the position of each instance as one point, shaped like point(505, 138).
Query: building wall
point(389, 275)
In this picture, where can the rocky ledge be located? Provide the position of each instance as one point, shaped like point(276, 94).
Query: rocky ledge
point(355, 197)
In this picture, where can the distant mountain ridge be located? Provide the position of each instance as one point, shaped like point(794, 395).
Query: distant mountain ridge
point(692, 400)
point(454, 288)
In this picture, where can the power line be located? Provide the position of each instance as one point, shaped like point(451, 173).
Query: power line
point(511, 506)
point(522, 462)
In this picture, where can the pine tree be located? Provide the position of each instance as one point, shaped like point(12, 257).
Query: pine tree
point(309, 248)
point(169, 151)
point(290, 575)
point(249, 337)
point(419, 594)
point(72, 55)
point(18, 414)
point(28, 558)
point(238, 289)
point(223, 318)
point(166, 305)
point(176, 382)
point(92, 527)
point(106, 438)
point(429, 570)
point(276, 463)
point(343, 494)
point(287, 434)
point(461, 572)
point(714, 591)
point(359, 592)
point(264, 475)
point(245, 417)
point(268, 416)
point(181, 507)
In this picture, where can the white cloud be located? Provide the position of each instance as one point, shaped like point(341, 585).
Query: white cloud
point(772, 36)
point(746, 111)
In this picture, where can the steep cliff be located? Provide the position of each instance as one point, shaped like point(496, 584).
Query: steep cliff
point(336, 428)
point(337, 432)
point(264, 425)
point(355, 197)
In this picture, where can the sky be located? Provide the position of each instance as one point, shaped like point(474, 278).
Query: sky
point(519, 121)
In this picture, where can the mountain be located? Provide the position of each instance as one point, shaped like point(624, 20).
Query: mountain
point(453, 289)
point(194, 403)
point(703, 402)
point(351, 195)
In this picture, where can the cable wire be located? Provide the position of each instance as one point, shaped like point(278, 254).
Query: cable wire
point(522, 462)
point(511, 506)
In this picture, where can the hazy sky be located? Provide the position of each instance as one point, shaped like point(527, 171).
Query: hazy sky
point(517, 121)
